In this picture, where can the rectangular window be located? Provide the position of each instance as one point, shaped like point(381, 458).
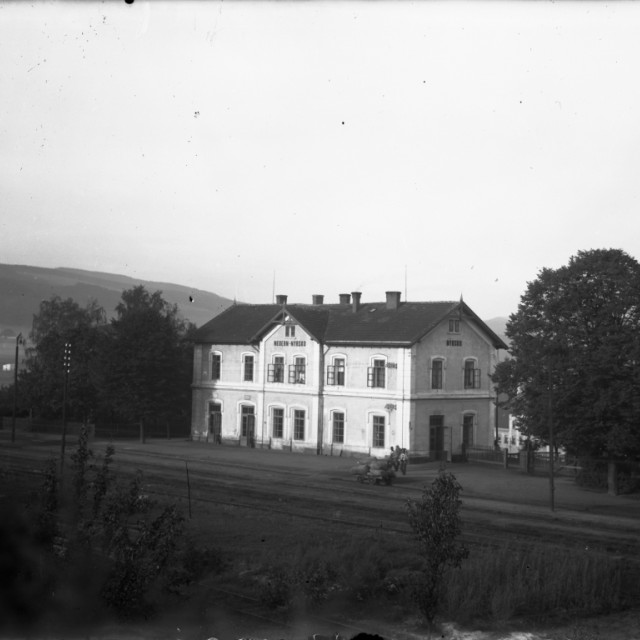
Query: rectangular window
point(378, 431)
point(338, 427)
point(275, 371)
point(454, 325)
point(290, 331)
point(216, 363)
point(436, 374)
point(298, 424)
point(376, 374)
point(248, 369)
point(297, 371)
point(277, 422)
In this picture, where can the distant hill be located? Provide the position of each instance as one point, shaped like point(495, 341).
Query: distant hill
point(23, 287)
point(498, 325)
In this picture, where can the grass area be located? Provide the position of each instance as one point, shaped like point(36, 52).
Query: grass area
point(293, 565)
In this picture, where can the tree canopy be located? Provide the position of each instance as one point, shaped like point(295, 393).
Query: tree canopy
point(575, 347)
point(137, 367)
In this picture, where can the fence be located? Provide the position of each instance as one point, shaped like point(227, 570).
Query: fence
point(107, 430)
point(485, 454)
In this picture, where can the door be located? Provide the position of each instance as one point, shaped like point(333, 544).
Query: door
point(436, 437)
point(248, 423)
point(215, 423)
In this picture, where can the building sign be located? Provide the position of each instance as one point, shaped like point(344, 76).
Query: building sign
point(289, 343)
point(392, 365)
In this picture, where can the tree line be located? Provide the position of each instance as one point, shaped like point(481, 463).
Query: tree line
point(136, 367)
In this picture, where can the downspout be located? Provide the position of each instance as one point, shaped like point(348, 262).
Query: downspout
point(319, 449)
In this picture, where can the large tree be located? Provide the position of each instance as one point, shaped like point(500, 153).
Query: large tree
point(148, 362)
point(62, 329)
point(575, 347)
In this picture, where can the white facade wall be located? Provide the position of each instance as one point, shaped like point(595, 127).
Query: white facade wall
point(374, 418)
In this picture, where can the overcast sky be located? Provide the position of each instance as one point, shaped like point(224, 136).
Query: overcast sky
point(434, 148)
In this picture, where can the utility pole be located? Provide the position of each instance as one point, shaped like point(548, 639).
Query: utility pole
point(67, 367)
point(551, 471)
point(15, 389)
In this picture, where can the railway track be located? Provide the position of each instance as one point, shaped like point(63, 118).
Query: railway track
point(338, 501)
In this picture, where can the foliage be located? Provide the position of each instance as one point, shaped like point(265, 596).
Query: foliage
point(435, 521)
point(59, 322)
point(575, 346)
point(138, 367)
point(500, 584)
point(101, 547)
point(149, 360)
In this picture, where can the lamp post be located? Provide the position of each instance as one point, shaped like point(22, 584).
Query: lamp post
point(15, 389)
point(67, 366)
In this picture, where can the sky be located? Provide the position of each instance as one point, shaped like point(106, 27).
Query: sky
point(249, 148)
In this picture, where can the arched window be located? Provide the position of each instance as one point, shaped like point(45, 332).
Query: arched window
point(437, 373)
point(298, 370)
point(275, 371)
point(337, 427)
point(336, 371)
point(215, 365)
point(377, 372)
point(471, 374)
point(248, 361)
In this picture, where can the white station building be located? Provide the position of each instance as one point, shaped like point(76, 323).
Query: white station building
point(351, 377)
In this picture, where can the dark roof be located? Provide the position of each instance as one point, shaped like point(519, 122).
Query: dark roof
point(337, 324)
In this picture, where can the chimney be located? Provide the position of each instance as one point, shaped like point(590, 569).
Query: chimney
point(317, 299)
point(345, 298)
point(281, 299)
point(355, 295)
point(393, 300)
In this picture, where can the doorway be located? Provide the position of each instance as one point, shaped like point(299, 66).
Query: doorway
point(247, 426)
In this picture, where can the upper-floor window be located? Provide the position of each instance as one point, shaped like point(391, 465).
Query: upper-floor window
point(299, 416)
point(216, 366)
point(297, 371)
point(454, 325)
point(247, 368)
point(290, 330)
point(335, 372)
point(376, 374)
point(437, 370)
point(275, 371)
point(471, 375)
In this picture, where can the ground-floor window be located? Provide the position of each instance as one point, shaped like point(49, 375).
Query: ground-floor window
point(298, 424)
point(248, 421)
point(338, 426)
point(277, 422)
point(378, 431)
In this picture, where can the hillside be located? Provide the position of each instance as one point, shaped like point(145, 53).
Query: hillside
point(23, 287)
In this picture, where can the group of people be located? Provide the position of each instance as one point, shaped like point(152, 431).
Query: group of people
point(399, 459)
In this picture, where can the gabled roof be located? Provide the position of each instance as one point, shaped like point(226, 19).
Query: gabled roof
point(338, 324)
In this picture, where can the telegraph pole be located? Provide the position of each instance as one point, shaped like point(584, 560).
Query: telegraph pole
point(551, 471)
point(67, 367)
point(15, 389)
